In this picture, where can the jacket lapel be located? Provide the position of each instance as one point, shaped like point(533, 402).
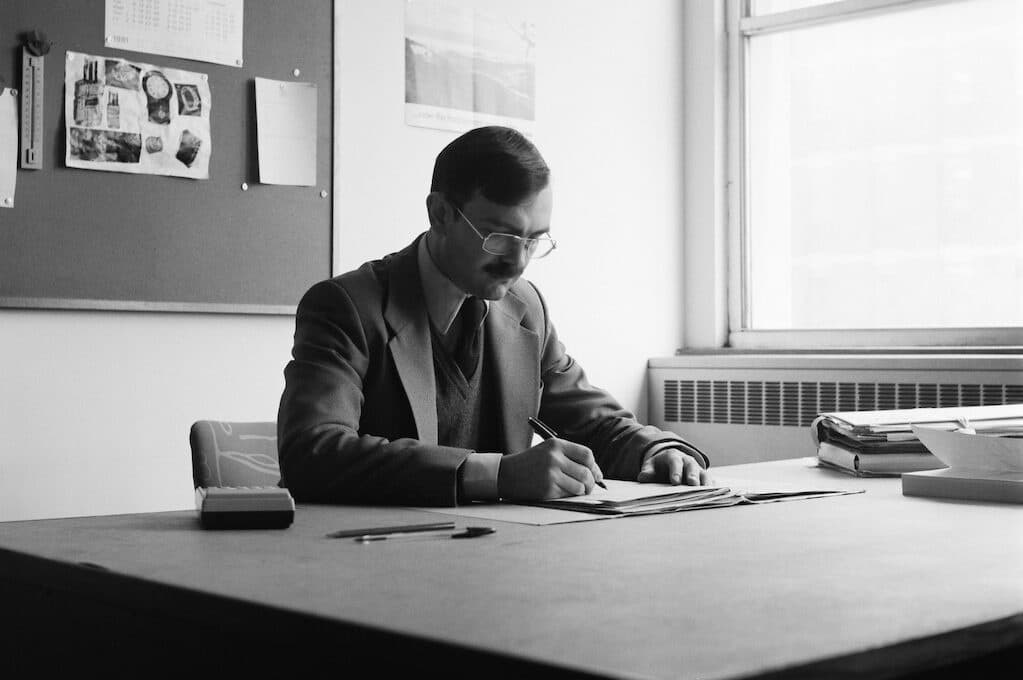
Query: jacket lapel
point(516, 352)
point(411, 345)
point(515, 349)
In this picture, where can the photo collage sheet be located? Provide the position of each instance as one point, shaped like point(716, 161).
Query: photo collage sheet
point(126, 116)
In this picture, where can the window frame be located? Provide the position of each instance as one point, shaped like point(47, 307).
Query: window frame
point(740, 27)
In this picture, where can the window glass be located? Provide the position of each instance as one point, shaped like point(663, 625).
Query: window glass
point(761, 7)
point(885, 170)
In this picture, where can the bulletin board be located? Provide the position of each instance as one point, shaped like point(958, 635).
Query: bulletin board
point(83, 239)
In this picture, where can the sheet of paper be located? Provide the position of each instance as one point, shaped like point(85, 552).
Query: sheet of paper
point(960, 450)
point(518, 514)
point(127, 116)
point(204, 30)
point(286, 132)
point(619, 491)
point(8, 145)
point(702, 497)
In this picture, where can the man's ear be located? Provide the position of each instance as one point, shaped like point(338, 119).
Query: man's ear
point(439, 211)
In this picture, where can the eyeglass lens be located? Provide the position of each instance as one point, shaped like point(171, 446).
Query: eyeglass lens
point(502, 244)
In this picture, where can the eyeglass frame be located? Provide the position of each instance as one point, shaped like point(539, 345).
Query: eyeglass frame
point(525, 243)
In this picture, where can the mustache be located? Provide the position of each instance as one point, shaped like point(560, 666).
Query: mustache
point(498, 270)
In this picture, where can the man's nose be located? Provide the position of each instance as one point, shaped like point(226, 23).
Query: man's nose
point(519, 256)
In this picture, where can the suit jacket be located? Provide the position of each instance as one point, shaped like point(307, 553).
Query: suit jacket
point(358, 417)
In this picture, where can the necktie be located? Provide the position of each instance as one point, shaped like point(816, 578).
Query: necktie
point(467, 351)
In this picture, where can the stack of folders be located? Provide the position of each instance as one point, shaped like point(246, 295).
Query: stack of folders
point(883, 443)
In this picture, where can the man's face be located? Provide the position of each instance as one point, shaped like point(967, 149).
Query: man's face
point(459, 250)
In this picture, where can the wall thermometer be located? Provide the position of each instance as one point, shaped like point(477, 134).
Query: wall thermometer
point(32, 101)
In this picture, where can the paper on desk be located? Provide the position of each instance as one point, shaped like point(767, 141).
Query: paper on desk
point(962, 450)
point(8, 145)
point(517, 514)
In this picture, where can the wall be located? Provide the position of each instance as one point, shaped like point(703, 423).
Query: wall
point(609, 112)
point(95, 406)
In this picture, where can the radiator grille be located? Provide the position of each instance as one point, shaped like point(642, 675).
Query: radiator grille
point(796, 404)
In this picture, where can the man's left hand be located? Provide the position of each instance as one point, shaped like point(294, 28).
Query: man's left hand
point(673, 467)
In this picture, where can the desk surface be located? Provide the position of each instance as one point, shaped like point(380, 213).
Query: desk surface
point(721, 593)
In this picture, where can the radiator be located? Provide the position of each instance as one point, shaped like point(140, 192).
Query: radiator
point(742, 408)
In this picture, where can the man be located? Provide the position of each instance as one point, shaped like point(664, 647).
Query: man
point(414, 377)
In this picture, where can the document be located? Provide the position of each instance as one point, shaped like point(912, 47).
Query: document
point(626, 499)
point(633, 498)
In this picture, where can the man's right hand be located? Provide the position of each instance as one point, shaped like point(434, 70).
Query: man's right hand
point(554, 468)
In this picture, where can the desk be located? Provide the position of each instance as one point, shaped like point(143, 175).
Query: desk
point(867, 585)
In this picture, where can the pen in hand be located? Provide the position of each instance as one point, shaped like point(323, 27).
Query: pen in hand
point(547, 433)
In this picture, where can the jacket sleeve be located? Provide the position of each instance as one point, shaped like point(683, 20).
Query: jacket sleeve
point(323, 456)
point(588, 415)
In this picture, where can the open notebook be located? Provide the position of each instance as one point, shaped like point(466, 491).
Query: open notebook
point(633, 498)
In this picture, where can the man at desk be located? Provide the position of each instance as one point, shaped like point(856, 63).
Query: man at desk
point(413, 378)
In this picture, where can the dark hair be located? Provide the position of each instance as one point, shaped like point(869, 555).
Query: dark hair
point(500, 162)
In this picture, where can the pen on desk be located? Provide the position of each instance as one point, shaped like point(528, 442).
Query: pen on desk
point(547, 433)
point(398, 529)
point(469, 532)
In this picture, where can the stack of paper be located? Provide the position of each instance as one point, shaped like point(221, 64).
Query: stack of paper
point(633, 498)
point(980, 467)
point(883, 443)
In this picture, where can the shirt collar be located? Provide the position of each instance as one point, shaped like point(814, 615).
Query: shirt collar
point(443, 298)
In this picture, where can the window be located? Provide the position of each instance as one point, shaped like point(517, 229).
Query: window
point(876, 172)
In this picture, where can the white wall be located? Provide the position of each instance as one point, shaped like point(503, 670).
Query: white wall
point(95, 406)
point(609, 122)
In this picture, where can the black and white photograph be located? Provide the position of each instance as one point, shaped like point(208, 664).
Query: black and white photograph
point(104, 146)
point(512, 339)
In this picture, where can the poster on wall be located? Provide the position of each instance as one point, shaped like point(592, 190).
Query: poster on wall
point(204, 30)
point(126, 116)
point(466, 67)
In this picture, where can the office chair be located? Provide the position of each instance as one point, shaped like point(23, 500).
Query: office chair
point(234, 454)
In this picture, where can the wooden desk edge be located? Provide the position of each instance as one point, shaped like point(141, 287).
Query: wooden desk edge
point(88, 616)
point(74, 599)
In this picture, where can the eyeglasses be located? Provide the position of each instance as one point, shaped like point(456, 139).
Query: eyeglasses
point(505, 244)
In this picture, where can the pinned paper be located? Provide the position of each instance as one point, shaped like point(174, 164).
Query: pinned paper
point(206, 30)
point(128, 116)
point(8, 145)
point(286, 132)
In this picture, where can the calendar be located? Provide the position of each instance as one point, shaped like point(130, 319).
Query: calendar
point(203, 30)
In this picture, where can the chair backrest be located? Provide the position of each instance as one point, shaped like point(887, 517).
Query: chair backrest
point(234, 454)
